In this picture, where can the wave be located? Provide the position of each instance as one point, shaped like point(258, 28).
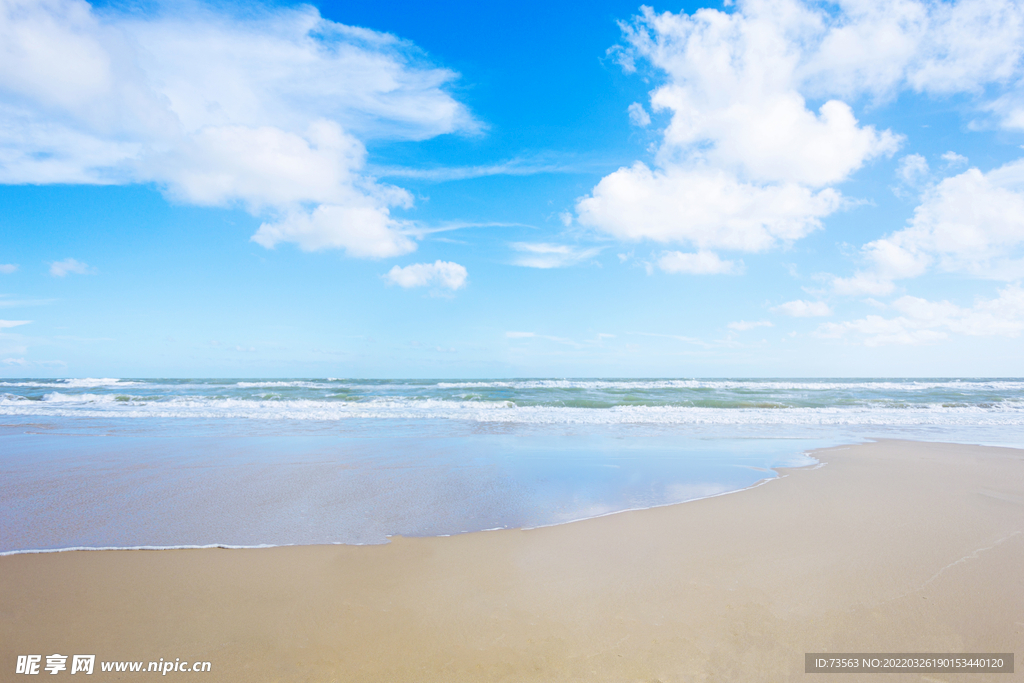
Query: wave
point(1006, 413)
point(760, 385)
point(280, 384)
point(84, 383)
point(888, 385)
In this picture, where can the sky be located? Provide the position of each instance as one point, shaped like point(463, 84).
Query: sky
point(759, 188)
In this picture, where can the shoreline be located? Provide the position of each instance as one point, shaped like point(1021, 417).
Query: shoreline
point(230, 546)
point(894, 547)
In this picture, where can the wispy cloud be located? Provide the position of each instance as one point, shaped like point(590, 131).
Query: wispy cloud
point(5, 324)
point(688, 340)
point(700, 263)
point(8, 268)
point(21, 362)
point(596, 341)
point(418, 229)
point(803, 309)
point(84, 340)
point(743, 325)
point(70, 265)
point(547, 255)
point(7, 302)
point(638, 116)
point(513, 167)
point(954, 160)
point(922, 321)
point(546, 337)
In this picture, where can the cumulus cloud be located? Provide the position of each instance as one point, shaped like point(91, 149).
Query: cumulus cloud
point(879, 48)
point(700, 263)
point(360, 227)
point(705, 207)
point(923, 321)
point(444, 274)
point(745, 164)
point(69, 266)
point(4, 324)
point(267, 110)
point(546, 255)
point(8, 268)
point(803, 309)
point(971, 223)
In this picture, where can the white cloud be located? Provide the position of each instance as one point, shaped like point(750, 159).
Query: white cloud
point(862, 283)
point(4, 324)
point(638, 116)
point(804, 309)
point(743, 325)
point(439, 273)
point(70, 265)
point(700, 263)
point(878, 48)
point(705, 207)
point(741, 162)
point(744, 150)
point(923, 321)
point(266, 109)
point(971, 223)
point(953, 159)
point(8, 268)
point(913, 170)
point(545, 255)
point(519, 166)
point(360, 227)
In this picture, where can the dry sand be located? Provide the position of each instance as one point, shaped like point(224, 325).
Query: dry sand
point(889, 547)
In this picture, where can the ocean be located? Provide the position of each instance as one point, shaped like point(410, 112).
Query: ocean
point(252, 462)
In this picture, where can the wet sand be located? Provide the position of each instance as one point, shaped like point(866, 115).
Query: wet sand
point(889, 547)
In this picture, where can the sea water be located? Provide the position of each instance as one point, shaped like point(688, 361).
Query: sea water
point(194, 462)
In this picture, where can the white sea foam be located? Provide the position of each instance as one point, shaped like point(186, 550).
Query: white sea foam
point(84, 383)
point(57, 397)
point(1006, 413)
point(755, 385)
point(283, 384)
point(139, 547)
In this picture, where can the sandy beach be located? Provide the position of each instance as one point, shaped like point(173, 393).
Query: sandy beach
point(888, 547)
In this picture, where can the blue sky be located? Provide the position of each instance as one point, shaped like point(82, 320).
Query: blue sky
point(765, 188)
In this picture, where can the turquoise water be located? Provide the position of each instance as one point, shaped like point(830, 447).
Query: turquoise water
point(943, 404)
point(167, 463)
